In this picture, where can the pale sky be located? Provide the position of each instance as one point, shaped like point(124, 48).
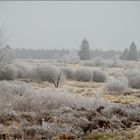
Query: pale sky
point(58, 24)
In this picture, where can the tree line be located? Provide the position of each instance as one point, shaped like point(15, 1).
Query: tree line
point(85, 53)
point(60, 53)
point(131, 54)
point(40, 53)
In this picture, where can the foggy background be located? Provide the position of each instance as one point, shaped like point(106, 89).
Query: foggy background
point(106, 25)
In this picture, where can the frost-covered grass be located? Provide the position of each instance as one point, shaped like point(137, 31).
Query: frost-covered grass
point(25, 96)
point(55, 111)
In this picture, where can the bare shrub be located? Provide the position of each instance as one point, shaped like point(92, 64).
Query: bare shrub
point(134, 79)
point(68, 72)
point(83, 74)
point(117, 85)
point(50, 73)
point(98, 76)
point(8, 72)
point(6, 55)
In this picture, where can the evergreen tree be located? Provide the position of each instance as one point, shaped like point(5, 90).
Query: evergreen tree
point(124, 55)
point(133, 54)
point(84, 52)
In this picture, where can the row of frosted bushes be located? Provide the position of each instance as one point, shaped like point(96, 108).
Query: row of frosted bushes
point(43, 72)
point(121, 81)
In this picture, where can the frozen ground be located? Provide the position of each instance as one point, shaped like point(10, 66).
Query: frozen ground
point(103, 107)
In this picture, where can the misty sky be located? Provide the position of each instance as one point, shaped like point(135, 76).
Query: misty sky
point(106, 25)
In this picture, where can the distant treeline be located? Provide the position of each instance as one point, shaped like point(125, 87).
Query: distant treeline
point(40, 53)
point(59, 53)
point(104, 54)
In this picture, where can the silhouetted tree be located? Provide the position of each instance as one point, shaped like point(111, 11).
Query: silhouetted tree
point(84, 52)
point(133, 54)
point(125, 54)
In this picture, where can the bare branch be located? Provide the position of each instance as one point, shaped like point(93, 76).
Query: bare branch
point(53, 81)
point(5, 53)
point(58, 79)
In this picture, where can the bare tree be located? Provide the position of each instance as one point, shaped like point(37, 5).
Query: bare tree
point(50, 73)
point(55, 80)
point(55, 75)
point(6, 55)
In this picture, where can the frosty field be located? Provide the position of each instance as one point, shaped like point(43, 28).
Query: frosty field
point(69, 70)
point(100, 102)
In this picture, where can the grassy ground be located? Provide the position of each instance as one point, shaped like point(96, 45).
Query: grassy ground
point(88, 89)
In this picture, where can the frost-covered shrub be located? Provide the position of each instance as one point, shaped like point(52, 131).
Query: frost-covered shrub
point(55, 99)
point(8, 72)
point(134, 82)
point(46, 72)
point(68, 72)
point(133, 72)
point(117, 85)
point(50, 112)
point(99, 62)
point(118, 73)
point(83, 74)
point(99, 76)
point(116, 63)
point(71, 59)
point(26, 103)
point(19, 96)
point(24, 71)
point(50, 73)
point(11, 91)
point(88, 63)
point(134, 79)
point(42, 73)
point(11, 88)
